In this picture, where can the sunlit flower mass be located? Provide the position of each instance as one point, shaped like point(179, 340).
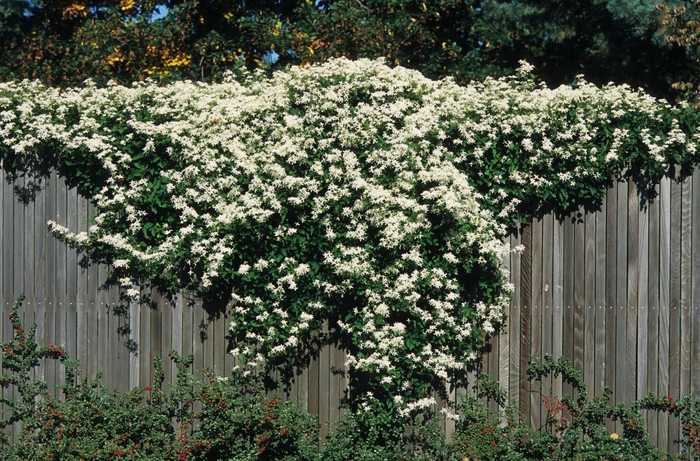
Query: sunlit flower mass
point(352, 192)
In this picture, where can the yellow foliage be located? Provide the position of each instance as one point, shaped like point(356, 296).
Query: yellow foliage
point(115, 57)
point(180, 59)
point(127, 4)
point(76, 9)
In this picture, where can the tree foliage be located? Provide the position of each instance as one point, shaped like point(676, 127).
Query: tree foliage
point(607, 41)
point(64, 42)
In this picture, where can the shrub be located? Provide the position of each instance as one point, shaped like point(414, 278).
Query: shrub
point(232, 418)
point(236, 420)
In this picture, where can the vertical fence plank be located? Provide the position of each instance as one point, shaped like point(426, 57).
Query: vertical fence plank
point(685, 286)
point(664, 299)
point(621, 306)
point(167, 309)
point(514, 322)
point(144, 341)
point(578, 307)
point(589, 302)
point(653, 311)
point(695, 301)
point(39, 273)
point(674, 303)
point(610, 288)
point(547, 297)
point(81, 282)
point(525, 316)
point(61, 299)
point(643, 305)
point(155, 338)
point(600, 299)
point(632, 301)
point(536, 287)
point(557, 300)
point(324, 382)
point(567, 310)
point(72, 289)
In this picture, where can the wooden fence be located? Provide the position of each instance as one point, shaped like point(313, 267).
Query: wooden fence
point(617, 291)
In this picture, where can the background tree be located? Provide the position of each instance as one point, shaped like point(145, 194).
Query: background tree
point(681, 26)
point(607, 41)
point(64, 42)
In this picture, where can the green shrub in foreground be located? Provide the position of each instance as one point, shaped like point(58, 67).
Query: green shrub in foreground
point(233, 419)
point(213, 419)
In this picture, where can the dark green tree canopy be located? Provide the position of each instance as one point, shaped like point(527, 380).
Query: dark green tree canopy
point(64, 42)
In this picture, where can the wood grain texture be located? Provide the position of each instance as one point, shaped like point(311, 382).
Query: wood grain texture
point(588, 344)
point(695, 295)
point(536, 286)
point(525, 318)
point(632, 296)
point(664, 300)
point(675, 300)
point(611, 290)
point(642, 364)
point(621, 306)
point(578, 305)
point(514, 319)
point(600, 301)
point(548, 223)
point(558, 281)
point(685, 286)
point(568, 307)
point(653, 316)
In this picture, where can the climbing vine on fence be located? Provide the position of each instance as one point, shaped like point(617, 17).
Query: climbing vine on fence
point(370, 197)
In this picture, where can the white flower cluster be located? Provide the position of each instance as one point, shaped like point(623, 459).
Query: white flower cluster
point(340, 191)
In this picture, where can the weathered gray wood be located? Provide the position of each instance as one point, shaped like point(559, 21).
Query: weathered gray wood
point(514, 320)
point(101, 312)
point(642, 365)
point(503, 336)
point(558, 281)
point(621, 306)
point(567, 306)
point(155, 335)
point(83, 353)
point(198, 344)
point(61, 300)
point(600, 301)
point(219, 345)
point(695, 299)
point(536, 287)
point(144, 351)
point(654, 303)
point(72, 288)
point(632, 301)
point(51, 266)
point(664, 299)
point(589, 302)
point(548, 223)
point(578, 305)
point(177, 332)
point(525, 317)
point(324, 382)
point(610, 289)
point(313, 389)
point(685, 285)
point(167, 308)
point(674, 304)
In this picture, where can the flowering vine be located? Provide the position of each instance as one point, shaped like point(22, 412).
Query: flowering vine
point(369, 197)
